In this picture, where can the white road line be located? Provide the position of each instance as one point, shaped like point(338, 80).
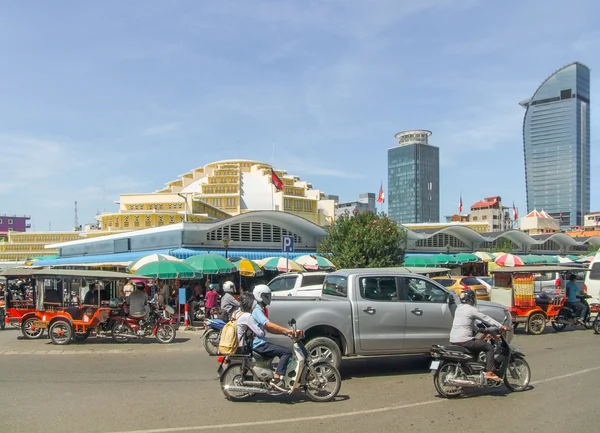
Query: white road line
point(330, 416)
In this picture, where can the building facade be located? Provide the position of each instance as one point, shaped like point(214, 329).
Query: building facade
point(413, 179)
point(490, 210)
point(14, 223)
point(220, 190)
point(365, 202)
point(539, 223)
point(556, 144)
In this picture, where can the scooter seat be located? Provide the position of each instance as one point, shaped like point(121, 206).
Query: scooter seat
point(261, 358)
point(454, 348)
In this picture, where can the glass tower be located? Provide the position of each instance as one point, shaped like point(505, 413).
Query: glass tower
point(414, 179)
point(556, 144)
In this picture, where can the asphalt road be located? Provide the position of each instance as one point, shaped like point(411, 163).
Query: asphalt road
point(88, 388)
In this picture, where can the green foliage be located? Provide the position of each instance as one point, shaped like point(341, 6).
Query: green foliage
point(364, 240)
point(593, 248)
point(503, 245)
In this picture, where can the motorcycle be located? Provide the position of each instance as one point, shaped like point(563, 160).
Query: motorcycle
point(566, 316)
point(455, 368)
point(2, 313)
point(157, 323)
point(212, 335)
point(249, 373)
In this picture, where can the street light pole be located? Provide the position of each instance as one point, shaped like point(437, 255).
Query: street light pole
point(226, 241)
point(185, 209)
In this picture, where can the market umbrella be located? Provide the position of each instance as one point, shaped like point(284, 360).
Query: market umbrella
point(508, 260)
point(467, 258)
point(562, 259)
point(586, 259)
point(551, 259)
point(167, 270)
point(136, 264)
point(420, 262)
point(573, 257)
point(314, 263)
point(280, 264)
point(211, 264)
point(444, 259)
point(246, 267)
point(530, 259)
point(486, 257)
point(496, 255)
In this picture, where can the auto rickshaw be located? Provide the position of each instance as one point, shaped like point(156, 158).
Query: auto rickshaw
point(514, 287)
point(17, 309)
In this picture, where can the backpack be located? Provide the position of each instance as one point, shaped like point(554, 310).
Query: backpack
point(228, 342)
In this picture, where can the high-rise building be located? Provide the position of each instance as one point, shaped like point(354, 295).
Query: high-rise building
point(414, 179)
point(365, 202)
point(556, 144)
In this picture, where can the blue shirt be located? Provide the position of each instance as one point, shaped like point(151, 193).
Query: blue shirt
point(259, 316)
point(572, 291)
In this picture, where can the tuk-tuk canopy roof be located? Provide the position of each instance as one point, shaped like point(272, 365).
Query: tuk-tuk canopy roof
point(535, 269)
point(67, 273)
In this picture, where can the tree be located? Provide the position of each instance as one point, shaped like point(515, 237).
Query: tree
point(364, 240)
point(593, 248)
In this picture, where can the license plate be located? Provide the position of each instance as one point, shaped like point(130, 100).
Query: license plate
point(39, 324)
point(434, 365)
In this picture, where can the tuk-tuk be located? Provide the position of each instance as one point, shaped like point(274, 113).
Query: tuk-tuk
point(18, 305)
point(515, 289)
point(57, 303)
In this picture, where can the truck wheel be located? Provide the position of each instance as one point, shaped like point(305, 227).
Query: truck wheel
point(325, 348)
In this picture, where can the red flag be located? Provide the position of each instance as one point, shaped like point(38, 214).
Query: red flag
point(515, 215)
point(381, 196)
point(460, 204)
point(276, 181)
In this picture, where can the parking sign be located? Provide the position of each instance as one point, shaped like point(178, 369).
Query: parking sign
point(287, 244)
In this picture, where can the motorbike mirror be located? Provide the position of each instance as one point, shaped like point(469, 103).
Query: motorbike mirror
point(292, 322)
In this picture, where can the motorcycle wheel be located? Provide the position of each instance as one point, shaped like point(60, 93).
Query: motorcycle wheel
point(31, 334)
point(210, 348)
point(82, 336)
point(3, 322)
point(234, 376)
point(165, 333)
point(559, 326)
point(517, 367)
point(596, 326)
point(588, 323)
point(446, 391)
point(325, 385)
point(121, 328)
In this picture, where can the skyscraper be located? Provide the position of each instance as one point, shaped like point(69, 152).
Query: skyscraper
point(414, 179)
point(556, 144)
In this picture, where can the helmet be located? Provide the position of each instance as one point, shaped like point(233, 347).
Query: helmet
point(228, 287)
point(468, 297)
point(140, 286)
point(212, 287)
point(262, 294)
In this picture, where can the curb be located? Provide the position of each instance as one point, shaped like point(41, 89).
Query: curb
point(132, 351)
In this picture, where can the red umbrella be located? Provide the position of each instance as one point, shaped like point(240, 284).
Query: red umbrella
point(508, 260)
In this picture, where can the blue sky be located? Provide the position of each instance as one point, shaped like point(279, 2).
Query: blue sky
point(99, 98)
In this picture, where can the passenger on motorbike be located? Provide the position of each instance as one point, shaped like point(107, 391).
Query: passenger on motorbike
point(262, 295)
point(138, 302)
point(462, 330)
point(228, 302)
point(247, 327)
point(572, 302)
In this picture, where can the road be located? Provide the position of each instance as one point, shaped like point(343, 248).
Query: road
point(157, 388)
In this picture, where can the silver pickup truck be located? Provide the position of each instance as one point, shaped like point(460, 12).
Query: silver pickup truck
point(374, 312)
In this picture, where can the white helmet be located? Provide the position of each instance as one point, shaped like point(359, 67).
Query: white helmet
point(228, 287)
point(262, 294)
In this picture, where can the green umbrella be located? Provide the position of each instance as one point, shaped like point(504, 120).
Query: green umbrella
point(246, 267)
point(551, 259)
point(167, 270)
point(211, 264)
point(467, 258)
point(445, 259)
point(531, 259)
point(573, 257)
point(419, 261)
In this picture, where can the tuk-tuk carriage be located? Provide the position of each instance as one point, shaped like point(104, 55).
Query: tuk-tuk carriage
point(57, 304)
point(515, 289)
point(17, 307)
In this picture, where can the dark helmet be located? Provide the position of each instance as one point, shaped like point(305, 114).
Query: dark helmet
point(468, 297)
point(140, 286)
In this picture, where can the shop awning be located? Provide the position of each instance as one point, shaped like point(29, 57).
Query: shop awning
point(100, 258)
point(184, 253)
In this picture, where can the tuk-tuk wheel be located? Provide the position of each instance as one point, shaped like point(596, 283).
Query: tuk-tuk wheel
point(29, 331)
point(61, 332)
point(536, 323)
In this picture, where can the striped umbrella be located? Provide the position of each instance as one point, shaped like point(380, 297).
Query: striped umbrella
point(314, 263)
point(562, 259)
point(135, 265)
point(246, 267)
point(508, 260)
point(486, 257)
point(281, 264)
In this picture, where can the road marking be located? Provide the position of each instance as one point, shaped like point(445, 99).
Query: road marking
point(330, 416)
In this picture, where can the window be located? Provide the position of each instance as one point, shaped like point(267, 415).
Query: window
point(312, 280)
point(336, 285)
point(10, 222)
point(565, 94)
point(595, 271)
point(446, 282)
point(284, 283)
point(418, 290)
point(470, 281)
point(378, 288)
point(0, 221)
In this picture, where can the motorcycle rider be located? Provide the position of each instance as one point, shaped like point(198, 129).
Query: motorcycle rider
point(262, 295)
point(575, 304)
point(462, 330)
point(228, 303)
point(138, 303)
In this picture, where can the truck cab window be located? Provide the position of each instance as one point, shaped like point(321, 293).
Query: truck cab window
point(378, 288)
point(418, 290)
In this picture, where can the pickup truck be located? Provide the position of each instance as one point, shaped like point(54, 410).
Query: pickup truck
point(374, 312)
point(298, 284)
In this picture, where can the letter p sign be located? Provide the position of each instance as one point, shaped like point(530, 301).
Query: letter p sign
point(287, 244)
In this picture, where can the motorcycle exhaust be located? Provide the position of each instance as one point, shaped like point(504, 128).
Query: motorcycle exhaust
point(463, 382)
point(248, 389)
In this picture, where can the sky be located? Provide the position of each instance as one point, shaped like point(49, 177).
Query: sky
point(102, 98)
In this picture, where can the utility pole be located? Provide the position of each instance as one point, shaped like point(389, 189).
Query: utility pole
point(76, 223)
